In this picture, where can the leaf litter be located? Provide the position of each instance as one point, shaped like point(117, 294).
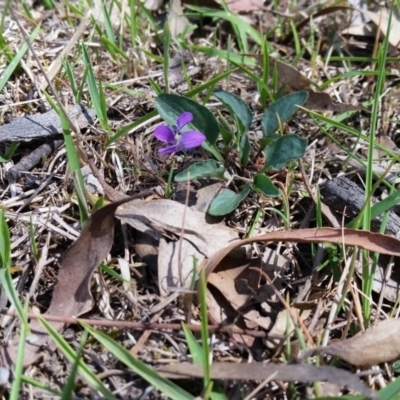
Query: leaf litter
point(72, 295)
point(177, 244)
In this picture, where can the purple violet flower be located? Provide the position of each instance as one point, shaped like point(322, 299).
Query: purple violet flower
point(178, 141)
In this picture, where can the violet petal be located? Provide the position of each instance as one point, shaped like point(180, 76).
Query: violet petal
point(165, 151)
point(165, 134)
point(183, 120)
point(192, 139)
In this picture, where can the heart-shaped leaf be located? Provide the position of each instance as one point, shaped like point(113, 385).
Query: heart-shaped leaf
point(171, 106)
point(203, 169)
point(237, 107)
point(227, 201)
point(281, 111)
point(282, 150)
point(264, 185)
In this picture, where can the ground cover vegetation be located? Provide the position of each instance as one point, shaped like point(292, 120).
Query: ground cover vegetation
point(199, 199)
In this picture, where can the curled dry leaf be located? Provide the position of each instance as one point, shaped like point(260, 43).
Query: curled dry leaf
point(374, 242)
point(176, 18)
point(349, 237)
point(72, 295)
point(242, 288)
point(379, 344)
point(380, 20)
point(261, 371)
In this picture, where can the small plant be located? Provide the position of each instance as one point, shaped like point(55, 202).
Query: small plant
point(179, 112)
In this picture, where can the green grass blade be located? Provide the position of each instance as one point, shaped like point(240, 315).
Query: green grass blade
point(72, 356)
point(5, 274)
point(167, 44)
point(209, 85)
point(107, 24)
point(71, 79)
point(113, 48)
point(126, 129)
point(68, 389)
point(5, 49)
point(167, 387)
point(133, 21)
point(237, 22)
point(6, 6)
point(386, 204)
point(5, 76)
point(197, 354)
point(19, 364)
point(96, 95)
point(195, 349)
point(32, 241)
point(205, 338)
point(367, 271)
point(73, 162)
point(226, 55)
point(391, 391)
point(30, 381)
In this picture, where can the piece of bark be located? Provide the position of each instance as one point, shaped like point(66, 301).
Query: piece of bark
point(343, 195)
point(39, 126)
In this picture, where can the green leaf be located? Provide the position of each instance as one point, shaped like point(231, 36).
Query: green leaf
point(244, 149)
point(282, 150)
point(203, 169)
point(237, 107)
point(264, 185)
point(281, 111)
point(227, 201)
point(170, 106)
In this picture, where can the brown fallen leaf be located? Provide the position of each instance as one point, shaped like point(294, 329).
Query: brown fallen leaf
point(294, 81)
point(379, 344)
point(240, 285)
point(199, 239)
point(261, 371)
point(381, 20)
point(371, 241)
point(176, 18)
point(72, 295)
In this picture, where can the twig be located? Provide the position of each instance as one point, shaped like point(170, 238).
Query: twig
point(145, 335)
point(148, 325)
point(34, 158)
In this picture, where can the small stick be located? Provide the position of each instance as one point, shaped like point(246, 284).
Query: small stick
point(34, 158)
